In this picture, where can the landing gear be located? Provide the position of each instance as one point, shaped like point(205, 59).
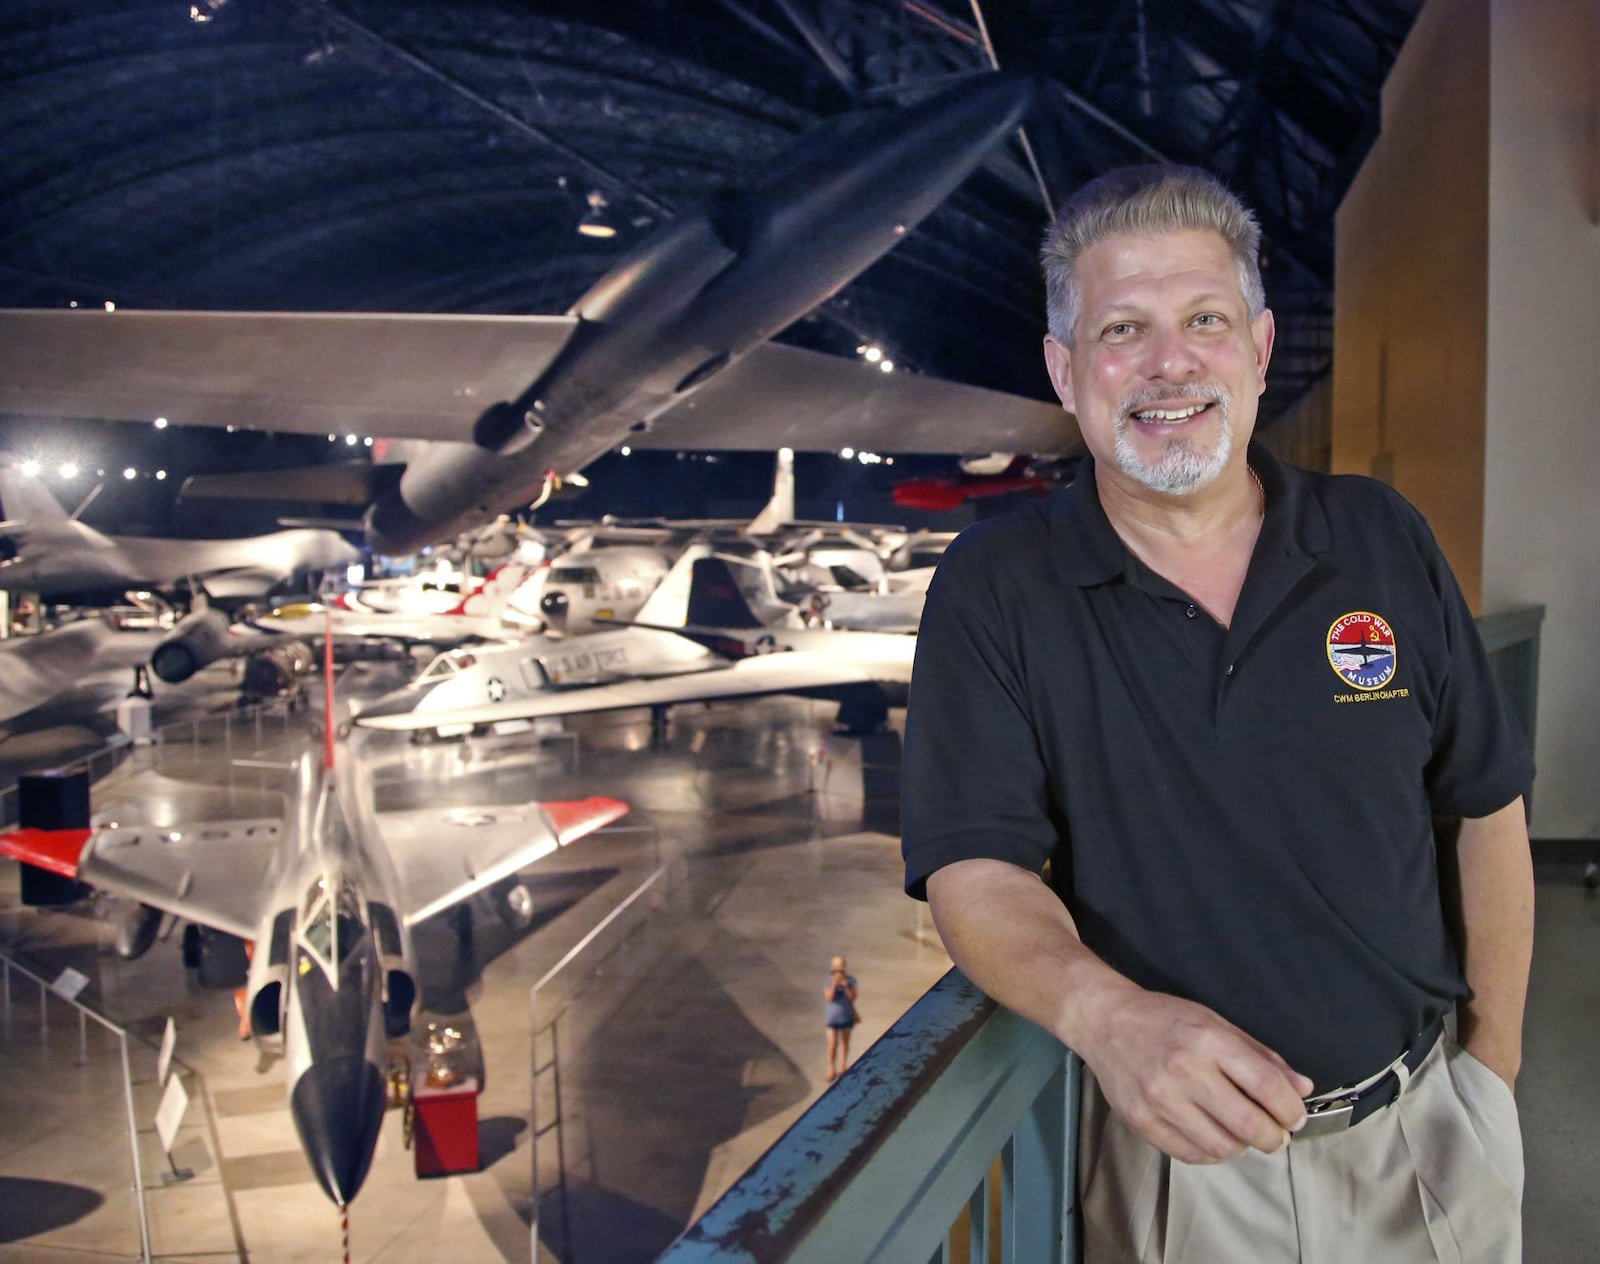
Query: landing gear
point(658, 727)
point(512, 903)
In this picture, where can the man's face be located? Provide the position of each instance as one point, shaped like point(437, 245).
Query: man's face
point(1166, 365)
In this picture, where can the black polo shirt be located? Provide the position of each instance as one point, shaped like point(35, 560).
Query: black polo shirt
point(1241, 815)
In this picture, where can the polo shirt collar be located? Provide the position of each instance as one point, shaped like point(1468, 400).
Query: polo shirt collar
point(1089, 550)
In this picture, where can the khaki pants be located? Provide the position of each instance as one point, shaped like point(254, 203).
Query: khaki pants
point(1437, 1176)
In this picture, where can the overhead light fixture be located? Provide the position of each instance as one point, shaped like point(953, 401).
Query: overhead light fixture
point(130, 472)
point(871, 353)
point(31, 469)
point(886, 365)
point(69, 469)
point(161, 474)
point(160, 423)
point(595, 221)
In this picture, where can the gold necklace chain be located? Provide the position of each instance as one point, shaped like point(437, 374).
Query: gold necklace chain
point(1261, 491)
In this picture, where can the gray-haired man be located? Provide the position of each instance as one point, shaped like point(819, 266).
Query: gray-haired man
point(1222, 700)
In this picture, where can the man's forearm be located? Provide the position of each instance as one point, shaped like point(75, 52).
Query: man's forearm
point(1496, 920)
point(1012, 937)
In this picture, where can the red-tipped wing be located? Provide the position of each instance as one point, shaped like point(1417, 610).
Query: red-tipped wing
point(573, 818)
point(55, 850)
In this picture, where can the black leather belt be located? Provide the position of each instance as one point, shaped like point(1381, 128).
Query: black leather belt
point(1342, 1108)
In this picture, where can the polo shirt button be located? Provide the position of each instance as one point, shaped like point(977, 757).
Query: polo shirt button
point(1190, 611)
point(1230, 669)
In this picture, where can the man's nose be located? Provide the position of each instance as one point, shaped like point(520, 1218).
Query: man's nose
point(1172, 355)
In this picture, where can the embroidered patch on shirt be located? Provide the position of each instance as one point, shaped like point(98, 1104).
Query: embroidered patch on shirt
point(1361, 650)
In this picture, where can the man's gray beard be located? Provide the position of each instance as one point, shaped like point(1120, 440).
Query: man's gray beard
point(1180, 470)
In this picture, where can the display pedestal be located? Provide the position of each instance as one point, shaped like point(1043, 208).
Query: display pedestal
point(445, 1137)
point(133, 718)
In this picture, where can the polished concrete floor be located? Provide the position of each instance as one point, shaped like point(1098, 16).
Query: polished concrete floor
point(679, 1043)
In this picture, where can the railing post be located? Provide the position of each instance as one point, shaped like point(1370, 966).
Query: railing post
point(133, 1146)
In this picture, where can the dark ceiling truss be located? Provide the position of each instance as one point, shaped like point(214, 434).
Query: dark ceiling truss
point(432, 155)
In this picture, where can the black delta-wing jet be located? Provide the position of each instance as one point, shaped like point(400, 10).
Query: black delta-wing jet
point(328, 892)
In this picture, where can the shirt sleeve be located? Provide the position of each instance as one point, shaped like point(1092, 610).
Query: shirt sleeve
point(974, 784)
point(1480, 759)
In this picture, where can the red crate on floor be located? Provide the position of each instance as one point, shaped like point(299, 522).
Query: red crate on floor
point(445, 1133)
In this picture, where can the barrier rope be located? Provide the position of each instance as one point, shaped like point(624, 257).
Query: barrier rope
point(344, 1232)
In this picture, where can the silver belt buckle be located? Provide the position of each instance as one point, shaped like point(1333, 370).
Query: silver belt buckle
point(1332, 1115)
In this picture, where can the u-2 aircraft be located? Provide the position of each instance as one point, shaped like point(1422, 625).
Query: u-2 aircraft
point(670, 348)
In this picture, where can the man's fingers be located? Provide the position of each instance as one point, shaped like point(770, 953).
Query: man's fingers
point(1271, 1085)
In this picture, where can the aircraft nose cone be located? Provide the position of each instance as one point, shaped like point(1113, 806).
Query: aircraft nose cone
point(337, 1105)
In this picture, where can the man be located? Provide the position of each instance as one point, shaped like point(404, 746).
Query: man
point(1222, 700)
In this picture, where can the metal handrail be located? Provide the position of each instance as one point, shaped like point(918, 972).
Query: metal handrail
point(881, 1167)
point(549, 977)
point(7, 964)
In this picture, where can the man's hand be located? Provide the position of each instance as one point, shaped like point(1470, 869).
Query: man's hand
point(1185, 1079)
point(1189, 1082)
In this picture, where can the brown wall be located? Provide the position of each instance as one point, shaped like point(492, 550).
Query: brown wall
point(1411, 287)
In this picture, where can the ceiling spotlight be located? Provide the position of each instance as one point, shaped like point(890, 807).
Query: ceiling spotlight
point(160, 423)
point(69, 469)
point(31, 469)
point(626, 450)
point(367, 441)
point(886, 365)
point(350, 440)
point(161, 474)
point(846, 453)
point(110, 306)
point(595, 221)
point(872, 354)
point(130, 472)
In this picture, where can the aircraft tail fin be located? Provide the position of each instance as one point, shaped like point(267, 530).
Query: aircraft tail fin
point(779, 511)
point(668, 606)
point(715, 599)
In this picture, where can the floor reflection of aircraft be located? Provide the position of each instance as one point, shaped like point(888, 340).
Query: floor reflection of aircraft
point(670, 349)
point(328, 892)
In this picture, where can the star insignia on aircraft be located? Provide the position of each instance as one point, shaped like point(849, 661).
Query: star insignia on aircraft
point(497, 689)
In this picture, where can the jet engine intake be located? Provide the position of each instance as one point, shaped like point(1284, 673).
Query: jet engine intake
point(399, 995)
point(199, 639)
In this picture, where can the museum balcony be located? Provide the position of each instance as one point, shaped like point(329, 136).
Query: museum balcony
point(945, 1142)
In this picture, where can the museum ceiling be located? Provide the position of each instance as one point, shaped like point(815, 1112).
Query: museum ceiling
point(416, 155)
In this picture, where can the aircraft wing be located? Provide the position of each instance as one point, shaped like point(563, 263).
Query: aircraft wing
point(212, 873)
point(791, 672)
point(430, 376)
point(398, 376)
point(445, 855)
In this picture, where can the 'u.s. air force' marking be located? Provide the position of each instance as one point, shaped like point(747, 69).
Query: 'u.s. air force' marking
point(1362, 651)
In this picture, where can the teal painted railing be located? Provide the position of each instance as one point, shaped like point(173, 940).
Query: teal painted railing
point(946, 1141)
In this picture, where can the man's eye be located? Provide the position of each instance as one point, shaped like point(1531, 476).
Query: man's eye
point(1119, 330)
point(1208, 318)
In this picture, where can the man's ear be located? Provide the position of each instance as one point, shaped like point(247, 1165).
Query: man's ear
point(1263, 333)
point(1058, 362)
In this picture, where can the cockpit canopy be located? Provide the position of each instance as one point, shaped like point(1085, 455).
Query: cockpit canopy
point(446, 665)
point(331, 925)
